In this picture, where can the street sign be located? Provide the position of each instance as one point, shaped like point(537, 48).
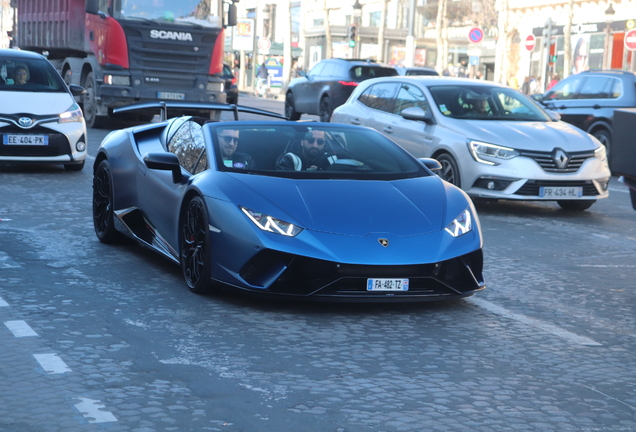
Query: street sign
point(264, 43)
point(630, 40)
point(243, 35)
point(530, 42)
point(475, 35)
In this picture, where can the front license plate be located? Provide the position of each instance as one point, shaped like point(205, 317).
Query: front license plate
point(387, 284)
point(171, 95)
point(25, 140)
point(561, 192)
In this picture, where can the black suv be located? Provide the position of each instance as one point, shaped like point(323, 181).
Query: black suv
point(588, 100)
point(328, 85)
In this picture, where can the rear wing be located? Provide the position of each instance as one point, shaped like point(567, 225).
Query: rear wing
point(163, 107)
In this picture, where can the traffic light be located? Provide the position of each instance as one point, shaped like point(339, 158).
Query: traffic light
point(351, 32)
point(548, 32)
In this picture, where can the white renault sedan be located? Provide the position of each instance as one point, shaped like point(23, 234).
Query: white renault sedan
point(492, 141)
point(39, 118)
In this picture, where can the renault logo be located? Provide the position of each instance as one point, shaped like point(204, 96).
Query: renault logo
point(561, 158)
point(25, 121)
point(384, 242)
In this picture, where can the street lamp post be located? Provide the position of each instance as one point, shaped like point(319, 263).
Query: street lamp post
point(357, 14)
point(607, 54)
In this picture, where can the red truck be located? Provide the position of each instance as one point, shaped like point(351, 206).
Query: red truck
point(129, 51)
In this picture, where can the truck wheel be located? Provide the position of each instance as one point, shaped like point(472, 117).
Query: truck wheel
point(89, 103)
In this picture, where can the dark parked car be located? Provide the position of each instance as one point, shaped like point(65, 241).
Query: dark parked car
point(416, 71)
point(231, 89)
point(588, 100)
point(328, 85)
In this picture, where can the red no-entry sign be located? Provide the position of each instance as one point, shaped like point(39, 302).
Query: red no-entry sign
point(530, 42)
point(630, 40)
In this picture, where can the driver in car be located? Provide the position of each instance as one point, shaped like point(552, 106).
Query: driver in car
point(228, 140)
point(313, 154)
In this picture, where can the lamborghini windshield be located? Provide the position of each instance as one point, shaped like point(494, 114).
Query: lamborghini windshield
point(174, 11)
point(310, 151)
point(479, 102)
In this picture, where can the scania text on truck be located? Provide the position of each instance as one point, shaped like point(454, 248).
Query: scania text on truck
point(129, 51)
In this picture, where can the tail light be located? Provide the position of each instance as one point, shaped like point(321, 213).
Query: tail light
point(234, 80)
point(348, 83)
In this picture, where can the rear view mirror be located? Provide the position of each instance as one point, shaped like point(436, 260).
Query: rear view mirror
point(164, 162)
point(418, 114)
point(76, 90)
point(432, 164)
point(555, 116)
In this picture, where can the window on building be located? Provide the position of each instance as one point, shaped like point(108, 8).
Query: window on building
point(374, 19)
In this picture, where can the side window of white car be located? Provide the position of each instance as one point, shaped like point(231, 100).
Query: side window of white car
point(381, 96)
point(409, 96)
point(189, 146)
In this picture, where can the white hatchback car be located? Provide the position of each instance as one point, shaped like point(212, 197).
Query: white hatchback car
point(39, 118)
point(492, 141)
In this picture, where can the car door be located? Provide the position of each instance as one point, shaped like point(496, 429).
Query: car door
point(416, 137)
point(303, 91)
point(379, 104)
point(594, 99)
point(598, 96)
point(159, 196)
point(562, 98)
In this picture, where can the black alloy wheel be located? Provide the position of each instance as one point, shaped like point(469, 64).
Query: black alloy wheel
point(326, 109)
point(290, 108)
point(103, 216)
point(449, 171)
point(605, 138)
point(576, 205)
point(195, 246)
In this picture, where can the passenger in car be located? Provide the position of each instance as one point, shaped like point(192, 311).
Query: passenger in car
point(312, 155)
point(228, 142)
point(21, 74)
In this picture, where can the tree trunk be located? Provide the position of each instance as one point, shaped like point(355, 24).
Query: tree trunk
point(287, 48)
point(441, 60)
point(385, 4)
point(567, 41)
point(328, 53)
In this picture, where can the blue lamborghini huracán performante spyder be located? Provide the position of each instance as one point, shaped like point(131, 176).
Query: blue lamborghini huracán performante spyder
point(298, 210)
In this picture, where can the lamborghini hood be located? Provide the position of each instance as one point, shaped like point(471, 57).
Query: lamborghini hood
point(355, 207)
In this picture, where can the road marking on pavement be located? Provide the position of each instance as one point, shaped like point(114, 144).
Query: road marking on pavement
point(20, 328)
point(550, 328)
point(3, 303)
point(52, 363)
point(618, 190)
point(607, 265)
point(91, 410)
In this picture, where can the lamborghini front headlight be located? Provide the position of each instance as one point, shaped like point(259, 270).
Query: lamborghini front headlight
point(461, 224)
point(271, 224)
